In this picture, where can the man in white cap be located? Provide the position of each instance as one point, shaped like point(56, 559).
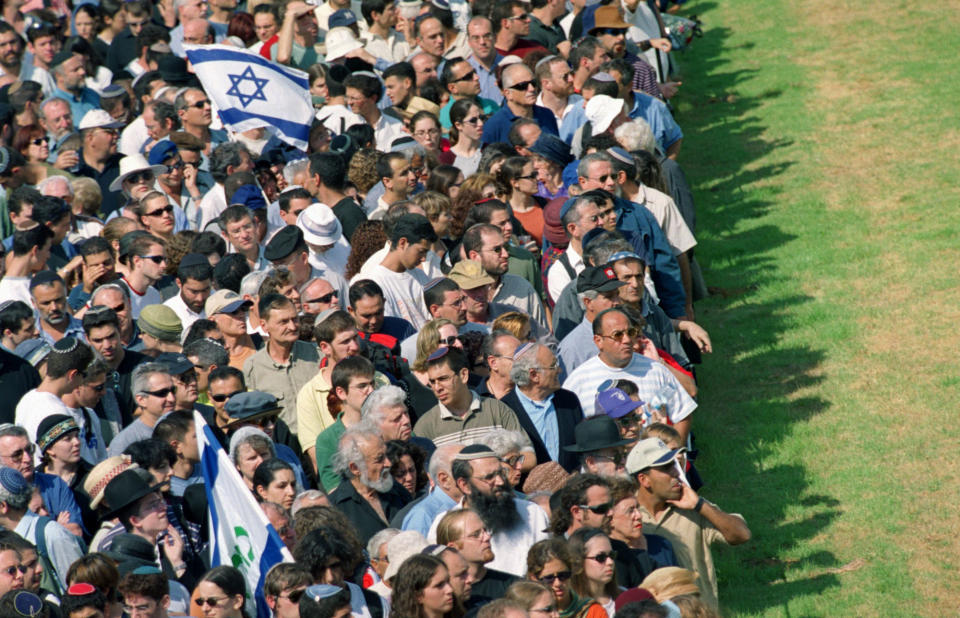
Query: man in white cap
point(671, 508)
point(99, 159)
point(329, 250)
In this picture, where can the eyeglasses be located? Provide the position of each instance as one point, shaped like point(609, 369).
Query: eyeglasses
point(136, 24)
point(482, 37)
point(156, 259)
point(478, 533)
point(467, 77)
point(12, 570)
point(490, 478)
point(168, 209)
point(426, 133)
point(448, 341)
point(200, 104)
point(40, 140)
point(616, 458)
point(222, 398)
point(475, 120)
point(513, 461)
point(629, 420)
point(603, 178)
point(523, 17)
point(552, 367)
point(617, 335)
point(326, 298)
point(528, 177)
point(176, 166)
point(163, 392)
point(212, 601)
point(29, 449)
point(549, 579)
point(599, 509)
point(523, 85)
point(604, 556)
point(498, 249)
point(141, 177)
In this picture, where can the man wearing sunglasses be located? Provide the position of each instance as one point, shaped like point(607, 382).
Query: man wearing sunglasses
point(155, 394)
point(511, 23)
point(614, 335)
point(584, 503)
point(461, 80)
point(179, 181)
point(670, 508)
point(520, 93)
point(99, 158)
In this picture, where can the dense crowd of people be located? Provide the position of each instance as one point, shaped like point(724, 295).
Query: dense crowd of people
point(450, 348)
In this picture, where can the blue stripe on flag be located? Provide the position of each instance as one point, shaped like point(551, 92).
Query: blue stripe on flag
point(199, 56)
point(287, 127)
point(211, 470)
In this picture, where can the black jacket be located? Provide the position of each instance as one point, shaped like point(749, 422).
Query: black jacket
point(361, 514)
point(569, 414)
point(17, 377)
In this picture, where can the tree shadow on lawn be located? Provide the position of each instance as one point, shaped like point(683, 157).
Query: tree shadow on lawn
point(755, 388)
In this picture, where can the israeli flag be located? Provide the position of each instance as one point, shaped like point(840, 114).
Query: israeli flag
point(241, 534)
point(252, 92)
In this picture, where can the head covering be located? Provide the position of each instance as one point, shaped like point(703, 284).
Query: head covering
point(474, 451)
point(250, 405)
point(595, 434)
point(649, 453)
point(250, 196)
point(34, 351)
point(133, 164)
point(342, 17)
point(126, 488)
point(12, 481)
point(469, 274)
point(340, 41)
point(601, 110)
point(103, 473)
point(320, 226)
point(160, 321)
point(598, 279)
point(553, 230)
point(615, 403)
point(98, 119)
point(161, 151)
point(224, 301)
point(54, 427)
point(401, 547)
point(552, 148)
point(283, 243)
point(549, 476)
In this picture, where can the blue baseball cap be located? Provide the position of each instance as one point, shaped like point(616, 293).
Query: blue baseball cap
point(161, 151)
point(615, 403)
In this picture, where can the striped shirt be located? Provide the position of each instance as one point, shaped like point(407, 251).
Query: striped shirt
point(441, 426)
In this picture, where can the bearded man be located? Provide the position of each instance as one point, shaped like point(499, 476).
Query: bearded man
point(367, 496)
point(514, 524)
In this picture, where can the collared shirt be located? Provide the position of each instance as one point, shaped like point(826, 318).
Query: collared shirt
point(79, 105)
point(365, 520)
point(543, 414)
point(548, 36)
point(442, 426)
point(187, 315)
point(313, 415)
point(326, 446)
point(497, 128)
point(557, 275)
point(657, 114)
point(577, 347)
point(667, 214)
point(518, 293)
point(283, 381)
point(489, 89)
point(74, 329)
point(385, 130)
point(424, 512)
point(691, 535)
point(573, 116)
point(510, 547)
point(63, 547)
point(394, 48)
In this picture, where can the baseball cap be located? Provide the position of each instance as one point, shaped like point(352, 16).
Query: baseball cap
point(650, 453)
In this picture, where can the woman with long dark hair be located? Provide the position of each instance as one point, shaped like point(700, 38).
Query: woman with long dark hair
point(421, 589)
point(275, 481)
point(221, 593)
point(467, 121)
point(596, 577)
point(519, 175)
point(550, 563)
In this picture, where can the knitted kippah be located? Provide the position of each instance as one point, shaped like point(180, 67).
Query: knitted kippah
point(13, 481)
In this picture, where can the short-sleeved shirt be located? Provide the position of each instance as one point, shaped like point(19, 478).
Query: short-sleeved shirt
point(441, 426)
point(402, 294)
point(691, 535)
point(283, 381)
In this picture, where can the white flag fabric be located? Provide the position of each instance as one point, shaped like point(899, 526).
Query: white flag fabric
point(252, 92)
point(240, 534)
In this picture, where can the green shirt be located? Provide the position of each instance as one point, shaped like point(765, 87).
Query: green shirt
point(326, 446)
point(486, 413)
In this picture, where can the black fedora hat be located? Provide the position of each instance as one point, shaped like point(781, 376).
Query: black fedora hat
point(595, 434)
point(126, 488)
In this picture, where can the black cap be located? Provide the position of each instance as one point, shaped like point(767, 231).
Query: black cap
point(44, 277)
point(283, 243)
point(62, 56)
point(194, 259)
point(176, 363)
point(598, 279)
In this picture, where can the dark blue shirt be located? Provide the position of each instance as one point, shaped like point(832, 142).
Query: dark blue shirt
point(497, 128)
point(642, 231)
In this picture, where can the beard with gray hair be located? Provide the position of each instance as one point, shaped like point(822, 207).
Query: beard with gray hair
point(380, 485)
point(497, 510)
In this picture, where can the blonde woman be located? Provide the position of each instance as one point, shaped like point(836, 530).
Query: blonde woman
point(434, 335)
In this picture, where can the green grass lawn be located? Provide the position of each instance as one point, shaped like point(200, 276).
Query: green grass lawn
point(821, 140)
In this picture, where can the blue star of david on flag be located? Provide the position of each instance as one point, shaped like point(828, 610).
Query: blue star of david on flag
point(246, 98)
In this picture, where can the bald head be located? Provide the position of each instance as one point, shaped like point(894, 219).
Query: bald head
point(196, 30)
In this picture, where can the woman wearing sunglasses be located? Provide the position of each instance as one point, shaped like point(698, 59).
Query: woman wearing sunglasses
point(467, 119)
point(551, 563)
point(220, 593)
point(33, 143)
point(519, 174)
point(435, 334)
point(155, 214)
point(596, 577)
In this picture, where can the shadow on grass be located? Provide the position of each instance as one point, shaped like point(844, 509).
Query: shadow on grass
point(753, 386)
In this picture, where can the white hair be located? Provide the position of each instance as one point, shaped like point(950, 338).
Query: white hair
point(348, 450)
point(304, 496)
point(389, 396)
point(636, 135)
point(49, 181)
point(250, 284)
point(502, 441)
point(442, 459)
point(251, 435)
point(290, 170)
point(384, 536)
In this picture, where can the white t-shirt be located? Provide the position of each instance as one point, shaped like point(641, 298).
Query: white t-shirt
point(651, 378)
point(16, 288)
point(186, 314)
point(557, 276)
point(138, 301)
point(427, 271)
point(403, 294)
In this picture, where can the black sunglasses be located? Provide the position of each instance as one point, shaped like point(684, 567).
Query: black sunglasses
point(599, 509)
point(523, 85)
point(40, 140)
point(326, 298)
point(469, 76)
point(452, 339)
point(163, 392)
point(168, 209)
point(200, 104)
point(156, 259)
point(609, 31)
point(549, 579)
point(222, 398)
